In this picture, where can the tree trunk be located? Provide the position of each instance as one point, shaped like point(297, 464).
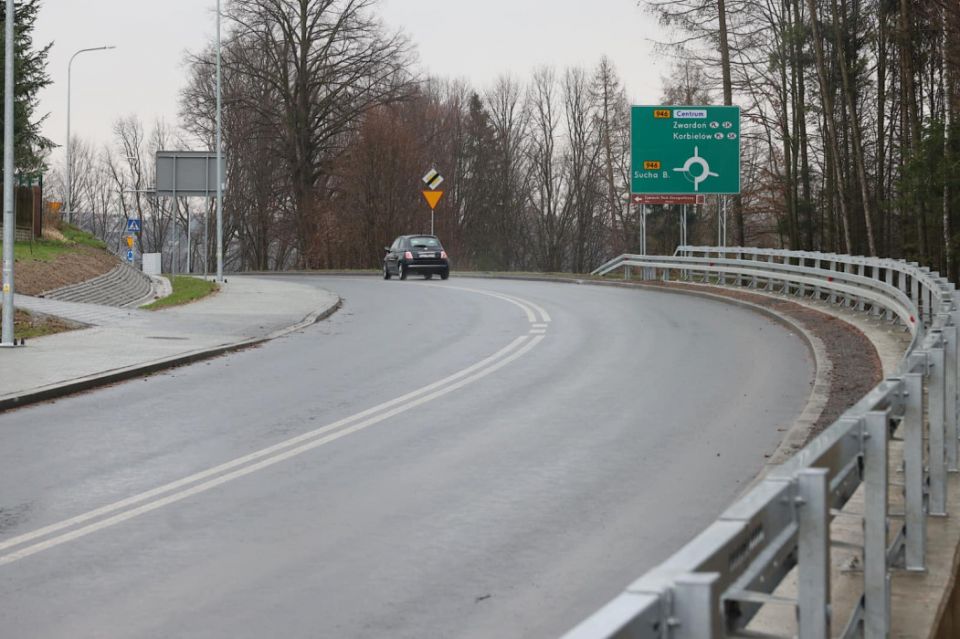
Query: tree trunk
point(839, 22)
point(948, 96)
point(801, 117)
point(830, 123)
point(728, 100)
point(911, 124)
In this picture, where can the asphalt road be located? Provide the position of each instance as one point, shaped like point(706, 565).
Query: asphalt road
point(470, 458)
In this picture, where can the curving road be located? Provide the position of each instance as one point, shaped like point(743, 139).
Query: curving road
point(471, 458)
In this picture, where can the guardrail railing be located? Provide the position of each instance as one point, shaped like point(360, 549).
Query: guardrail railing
point(716, 584)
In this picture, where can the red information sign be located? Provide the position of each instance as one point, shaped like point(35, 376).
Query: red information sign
point(639, 198)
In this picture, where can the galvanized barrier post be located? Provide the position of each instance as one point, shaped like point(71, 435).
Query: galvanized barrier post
point(696, 607)
point(915, 293)
point(915, 521)
point(888, 280)
point(950, 417)
point(801, 287)
point(874, 308)
point(861, 271)
point(833, 294)
point(936, 396)
point(816, 289)
point(876, 583)
point(848, 299)
point(813, 538)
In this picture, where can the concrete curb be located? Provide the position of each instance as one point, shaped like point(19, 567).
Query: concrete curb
point(161, 288)
point(105, 378)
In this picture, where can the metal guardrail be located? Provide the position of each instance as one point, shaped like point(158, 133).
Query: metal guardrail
point(715, 585)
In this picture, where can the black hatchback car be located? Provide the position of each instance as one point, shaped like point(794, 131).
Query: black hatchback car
point(420, 254)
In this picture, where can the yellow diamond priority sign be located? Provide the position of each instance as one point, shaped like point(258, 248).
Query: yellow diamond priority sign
point(433, 179)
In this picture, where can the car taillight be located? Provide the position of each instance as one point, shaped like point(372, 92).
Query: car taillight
point(443, 255)
point(408, 255)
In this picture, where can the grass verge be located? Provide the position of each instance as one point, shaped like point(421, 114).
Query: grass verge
point(185, 290)
point(40, 250)
point(76, 236)
point(47, 250)
point(28, 326)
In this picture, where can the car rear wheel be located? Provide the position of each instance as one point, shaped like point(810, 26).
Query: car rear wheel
point(386, 272)
point(401, 271)
point(445, 275)
point(428, 276)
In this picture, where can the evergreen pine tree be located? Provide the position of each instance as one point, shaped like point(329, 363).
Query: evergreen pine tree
point(31, 76)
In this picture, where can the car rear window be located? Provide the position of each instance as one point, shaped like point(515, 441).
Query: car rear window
point(426, 242)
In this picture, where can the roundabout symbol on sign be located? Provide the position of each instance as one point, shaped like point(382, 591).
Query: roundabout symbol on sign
point(704, 166)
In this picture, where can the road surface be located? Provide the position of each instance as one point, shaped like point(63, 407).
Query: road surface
point(470, 458)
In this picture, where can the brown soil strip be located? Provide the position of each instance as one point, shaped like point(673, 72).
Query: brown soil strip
point(28, 325)
point(33, 277)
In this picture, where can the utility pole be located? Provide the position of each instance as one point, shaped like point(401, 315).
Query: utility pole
point(219, 159)
point(9, 222)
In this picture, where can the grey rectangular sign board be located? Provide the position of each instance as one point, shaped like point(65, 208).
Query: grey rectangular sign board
point(188, 173)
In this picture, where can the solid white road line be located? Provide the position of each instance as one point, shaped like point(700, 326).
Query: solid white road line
point(276, 453)
point(526, 306)
point(240, 461)
point(544, 316)
point(265, 463)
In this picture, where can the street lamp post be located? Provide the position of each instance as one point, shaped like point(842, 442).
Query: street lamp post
point(219, 159)
point(9, 222)
point(69, 211)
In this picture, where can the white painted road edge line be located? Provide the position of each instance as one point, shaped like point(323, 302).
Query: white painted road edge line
point(528, 307)
point(544, 315)
point(180, 483)
point(265, 463)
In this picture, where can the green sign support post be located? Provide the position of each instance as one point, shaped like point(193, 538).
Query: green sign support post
point(685, 150)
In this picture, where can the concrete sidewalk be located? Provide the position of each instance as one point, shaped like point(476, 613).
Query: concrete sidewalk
point(123, 343)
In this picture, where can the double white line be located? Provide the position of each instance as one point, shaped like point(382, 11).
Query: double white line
point(31, 543)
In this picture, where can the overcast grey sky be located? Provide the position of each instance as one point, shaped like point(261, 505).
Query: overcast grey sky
point(473, 40)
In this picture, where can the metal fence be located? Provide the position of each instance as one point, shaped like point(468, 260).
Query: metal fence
point(716, 584)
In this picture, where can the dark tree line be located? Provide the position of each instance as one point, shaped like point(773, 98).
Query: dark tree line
point(30, 74)
point(852, 111)
point(328, 130)
point(851, 140)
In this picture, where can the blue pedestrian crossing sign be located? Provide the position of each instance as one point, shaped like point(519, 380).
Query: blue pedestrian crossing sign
point(133, 226)
point(130, 255)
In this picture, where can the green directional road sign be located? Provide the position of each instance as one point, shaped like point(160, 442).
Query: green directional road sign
point(689, 150)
